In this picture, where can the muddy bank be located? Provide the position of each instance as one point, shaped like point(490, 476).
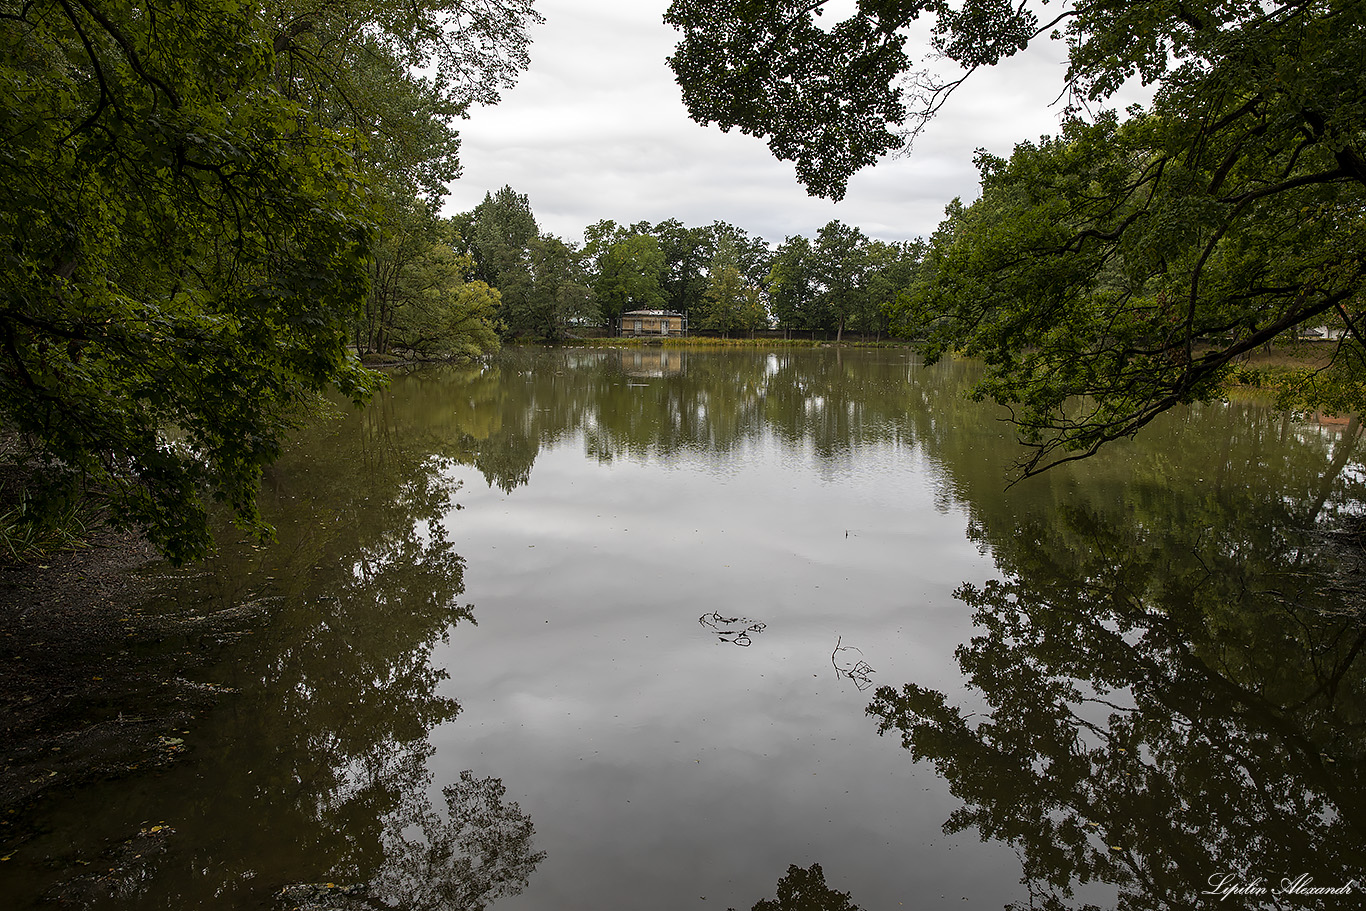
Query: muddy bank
point(91, 688)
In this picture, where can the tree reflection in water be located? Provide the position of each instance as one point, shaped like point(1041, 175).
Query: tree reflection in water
point(1172, 671)
point(321, 763)
point(356, 679)
point(477, 853)
point(805, 890)
point(1166, 707)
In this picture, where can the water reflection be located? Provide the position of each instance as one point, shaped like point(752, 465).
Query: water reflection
point(663, 403)
point(1171, 661)
point(805, 890)
point(317, 768)
point(1174, 682)
point(1167, 673)
point(476, 853)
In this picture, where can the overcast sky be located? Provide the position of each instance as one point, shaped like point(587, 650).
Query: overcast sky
point(596, 129)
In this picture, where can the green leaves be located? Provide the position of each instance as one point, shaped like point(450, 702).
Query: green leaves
point(629, 276)
point(825, 98)
point(188, 226)
point(1120, 269)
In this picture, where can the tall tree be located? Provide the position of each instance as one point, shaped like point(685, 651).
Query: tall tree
point(732, 246)
point(891, 271)
point(629, 277)
point(731, 303)
point(186, 227)
point(399, 74)
point(441, 310)
point(686, 254)
point(499, 233)
point(560, 295)
point(841, 265)
point(1149, 253)
point(792, 285)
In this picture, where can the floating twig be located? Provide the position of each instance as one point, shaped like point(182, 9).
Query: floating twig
point(859, 671)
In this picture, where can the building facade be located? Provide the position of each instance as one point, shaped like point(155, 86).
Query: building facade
point(653, 322)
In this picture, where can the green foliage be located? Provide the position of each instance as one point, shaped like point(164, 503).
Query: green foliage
point(1109, 274)
point(397, 75)
point(823, 97)
point(444, 312)
point(499, 231)
point(187, 227)
point(732, 246)
point(542, 280)
point(422, 300)
point(843, 280)
point(731, 304)
point(182, 255)
point(629, 277)
point(26, 534)
point(1118, 270)
point(538, 276)
point(840, 268)
point(891, 268)
point(792, 285)
point(686, 254)
point(560, 296)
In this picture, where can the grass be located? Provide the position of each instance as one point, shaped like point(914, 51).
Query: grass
point(27, 534)
point(1295, 376)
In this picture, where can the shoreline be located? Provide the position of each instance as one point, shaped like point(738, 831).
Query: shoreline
point(88, 692)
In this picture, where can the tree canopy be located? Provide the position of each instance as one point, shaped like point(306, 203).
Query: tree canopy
point(1120, 268)
point(189, 218)
point(630, 273)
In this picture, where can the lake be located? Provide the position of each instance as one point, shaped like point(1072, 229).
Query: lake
point(649, 628)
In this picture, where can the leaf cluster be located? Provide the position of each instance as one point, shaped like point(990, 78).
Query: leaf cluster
point(189, 224)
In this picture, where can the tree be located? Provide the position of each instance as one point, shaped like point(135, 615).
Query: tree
point(180, 252)
point(422, 299)
point(599, 237)
point(732, 246)
point(398, 75)
point(731, 304)
point(1113, 265)
point(792, 285)
point(891, 270)
point(499, 233)
point(686, 253)
point(560, 296)
point(1150, 253)
point(840, 267)
point(540, 277)
point(444, 312)
point(805, 890)
point(629, 276)
point(186, 231)
point(360, 67)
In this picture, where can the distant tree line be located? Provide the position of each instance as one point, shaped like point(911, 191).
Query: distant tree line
point(723, 279)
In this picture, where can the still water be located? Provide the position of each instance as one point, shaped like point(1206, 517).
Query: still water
point(609, 630)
